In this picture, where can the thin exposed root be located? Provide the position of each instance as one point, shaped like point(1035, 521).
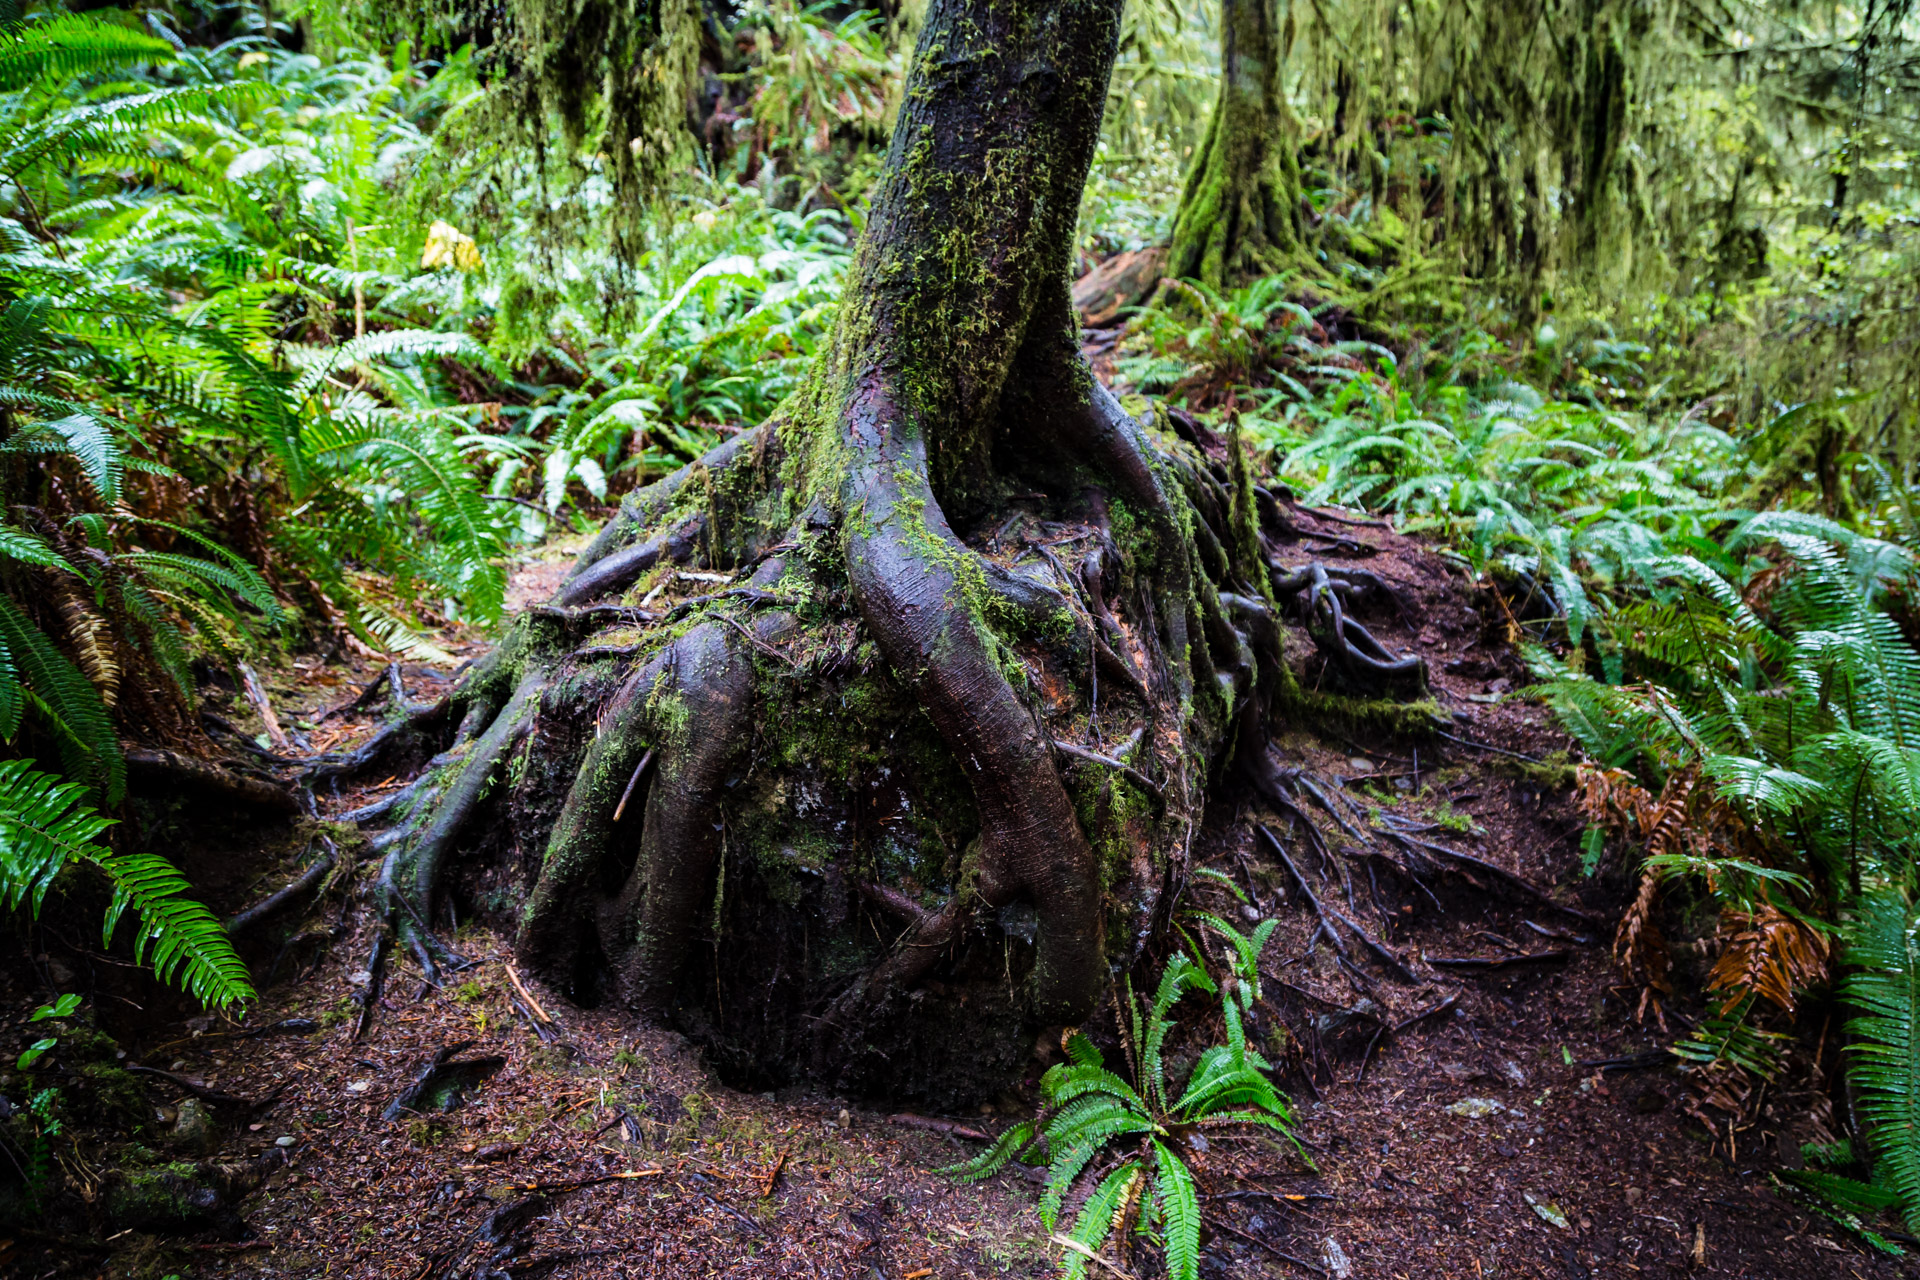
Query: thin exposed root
point(376, 983)
point(263, 910)
point(1466, 862)
point(1328, 916)
point(1348, 645)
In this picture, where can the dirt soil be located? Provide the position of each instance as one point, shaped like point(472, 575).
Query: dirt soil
point(1448, 1128)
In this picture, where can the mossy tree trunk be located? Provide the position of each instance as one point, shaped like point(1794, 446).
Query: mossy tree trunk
point(914, 778)
point(1239, 215)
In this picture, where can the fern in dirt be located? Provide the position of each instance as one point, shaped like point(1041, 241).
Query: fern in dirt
point(1087, 1109)
point(46, 826)
point(1883, 951)
point(1756, 718)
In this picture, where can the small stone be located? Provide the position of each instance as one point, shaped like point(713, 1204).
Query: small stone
point(1339, 1265)
point(1360, 764)
point(284, 1140)
point(1635, 1195)
point(194, 1128)
point(1475, 1108)
point(360, 1086)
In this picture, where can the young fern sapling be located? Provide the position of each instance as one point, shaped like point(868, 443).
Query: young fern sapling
point(1087, 1109)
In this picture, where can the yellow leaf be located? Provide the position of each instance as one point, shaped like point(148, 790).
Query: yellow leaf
point(447, 246)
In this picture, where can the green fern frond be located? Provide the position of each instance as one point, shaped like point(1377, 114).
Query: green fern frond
point(46, 825)
point(1180, 1207)
point(1180, 976)
point(1068, 1161)
point(1883, 951)
point(28, 548)
point(1097, 1216)
point(180, 938)
point(71, 44)
point(81, 723)
point(995, 1157)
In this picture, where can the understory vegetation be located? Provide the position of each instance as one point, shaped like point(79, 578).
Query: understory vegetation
point(293, 360)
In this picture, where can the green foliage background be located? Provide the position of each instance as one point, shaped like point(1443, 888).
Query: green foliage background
point(307, 329)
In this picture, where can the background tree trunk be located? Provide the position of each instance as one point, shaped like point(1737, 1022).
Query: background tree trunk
point(1239, 215)
point(916, 778)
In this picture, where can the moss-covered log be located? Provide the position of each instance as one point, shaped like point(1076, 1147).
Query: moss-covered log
point(870, 744)
point(1239, 213)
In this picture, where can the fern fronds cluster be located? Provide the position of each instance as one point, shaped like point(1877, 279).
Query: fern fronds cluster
point(1766, 745)
point(1088, 1109)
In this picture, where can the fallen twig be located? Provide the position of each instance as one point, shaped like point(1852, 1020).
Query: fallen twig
point(1424, 1014)
point(1127, 771)
point(1238, 1234)
point(1481, 746)
point(626, 795)
point(907, 1120)
point(1487, 964)
point(1074, 1246)
point(1643, 1061)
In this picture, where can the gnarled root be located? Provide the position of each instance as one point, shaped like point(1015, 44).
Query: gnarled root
point(1323, 595)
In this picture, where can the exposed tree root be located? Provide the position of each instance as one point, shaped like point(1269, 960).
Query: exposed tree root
point(1365, 663)
point(858, 794)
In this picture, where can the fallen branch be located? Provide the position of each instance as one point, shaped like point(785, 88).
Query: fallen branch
point(362, 699)
point(576, 1184)
point(257, 695)
point(1488, 964)
point(1127, 771)
point(626, 795)
point(513, 976)
point(188, 1085)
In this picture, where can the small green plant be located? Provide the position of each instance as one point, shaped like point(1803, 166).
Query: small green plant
point(1087, 1108)
point(60, 1008)
point(46, 825)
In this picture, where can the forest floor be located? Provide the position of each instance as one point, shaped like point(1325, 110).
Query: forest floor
point(1452, 1127)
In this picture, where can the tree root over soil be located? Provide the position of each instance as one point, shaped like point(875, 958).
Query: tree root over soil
point(881, 838)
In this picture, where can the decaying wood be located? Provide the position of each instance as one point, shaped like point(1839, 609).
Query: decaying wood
point(156, 767)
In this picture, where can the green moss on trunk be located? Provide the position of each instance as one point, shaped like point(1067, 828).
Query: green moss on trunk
point(1239, 215)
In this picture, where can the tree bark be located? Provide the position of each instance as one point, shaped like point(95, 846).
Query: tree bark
point(917, 780)
point(1239, 214)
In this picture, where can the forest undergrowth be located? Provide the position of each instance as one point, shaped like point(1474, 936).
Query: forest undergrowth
point(295, 369)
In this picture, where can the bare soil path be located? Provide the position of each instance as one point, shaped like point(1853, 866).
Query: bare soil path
point(1451, 1128)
